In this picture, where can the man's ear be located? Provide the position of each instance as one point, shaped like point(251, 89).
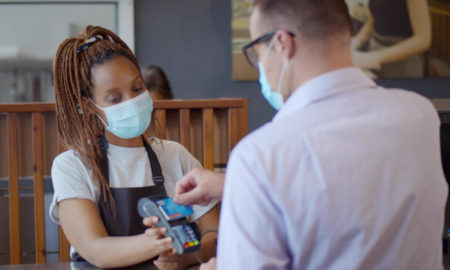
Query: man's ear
point(285, 43)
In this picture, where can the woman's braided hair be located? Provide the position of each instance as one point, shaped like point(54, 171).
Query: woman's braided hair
point(78, 128)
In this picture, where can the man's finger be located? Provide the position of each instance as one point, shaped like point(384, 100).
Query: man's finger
point(190, 197)
point(186, 183)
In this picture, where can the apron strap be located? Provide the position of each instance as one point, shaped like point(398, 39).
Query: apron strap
point(158, 178)
point(104, 162)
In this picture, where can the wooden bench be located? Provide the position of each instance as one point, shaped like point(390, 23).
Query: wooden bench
point(209, 129)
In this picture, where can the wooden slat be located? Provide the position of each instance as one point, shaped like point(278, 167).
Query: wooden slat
point(208, 139)
point(38, 175)
point(64, 246)
point(160, 116)
point(222, 103)
point(184, 128)
point(233, 129)
point(14, 207)
point(243, 120)
point(27, 107)
point(158, 104)
point(61, 147)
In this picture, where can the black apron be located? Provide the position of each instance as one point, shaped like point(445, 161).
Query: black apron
point(126, 221)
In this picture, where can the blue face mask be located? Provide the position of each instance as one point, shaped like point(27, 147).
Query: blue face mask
point(129, 119)
point(275, 99)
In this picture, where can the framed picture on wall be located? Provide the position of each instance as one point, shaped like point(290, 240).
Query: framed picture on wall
point(401, 38)
point(240, 35)
point(390, 39)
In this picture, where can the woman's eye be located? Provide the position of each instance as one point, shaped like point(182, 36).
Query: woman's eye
point(114, 99)
point(137, 90)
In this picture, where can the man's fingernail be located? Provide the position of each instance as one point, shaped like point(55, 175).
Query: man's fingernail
point(154, 219)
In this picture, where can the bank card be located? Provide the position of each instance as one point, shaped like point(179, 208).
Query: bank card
point(173, 211)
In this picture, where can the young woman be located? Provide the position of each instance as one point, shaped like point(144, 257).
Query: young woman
point(103, 111)
point(156, 82)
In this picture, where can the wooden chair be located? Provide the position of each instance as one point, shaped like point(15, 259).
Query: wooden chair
point(207, 128)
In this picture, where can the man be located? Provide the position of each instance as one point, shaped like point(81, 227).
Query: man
point(347, 175)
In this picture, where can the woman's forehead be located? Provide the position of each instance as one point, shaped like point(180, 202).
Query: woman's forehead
point(114, 73)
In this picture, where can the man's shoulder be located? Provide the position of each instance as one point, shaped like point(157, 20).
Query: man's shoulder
point(270, 138)
point(407, 97)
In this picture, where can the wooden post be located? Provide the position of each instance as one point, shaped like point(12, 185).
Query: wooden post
point(208, 139)
point(160, 115)
point(233, 129)
point(185, 128)
point(38, 175)
point(243, 120)
point(64, 246)
point(14, 206)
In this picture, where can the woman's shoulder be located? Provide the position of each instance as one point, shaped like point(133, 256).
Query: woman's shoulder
point(68, 156)
point(68, 160)
point(167, 146)
point(172, 152)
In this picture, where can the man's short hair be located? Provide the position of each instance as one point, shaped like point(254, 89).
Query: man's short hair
point(313, 19)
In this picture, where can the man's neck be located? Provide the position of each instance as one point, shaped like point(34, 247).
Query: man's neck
point(310, 67)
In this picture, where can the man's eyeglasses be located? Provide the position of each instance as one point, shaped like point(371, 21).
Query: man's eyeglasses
point(250, 52)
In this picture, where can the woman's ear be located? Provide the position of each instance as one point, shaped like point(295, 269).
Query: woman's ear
point(86, 107)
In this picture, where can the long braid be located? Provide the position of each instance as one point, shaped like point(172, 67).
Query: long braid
point(77, 127)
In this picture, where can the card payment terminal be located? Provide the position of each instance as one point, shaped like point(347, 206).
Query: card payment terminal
point(186, 236)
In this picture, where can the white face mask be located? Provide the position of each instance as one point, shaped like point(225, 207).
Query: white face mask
point(129, 119)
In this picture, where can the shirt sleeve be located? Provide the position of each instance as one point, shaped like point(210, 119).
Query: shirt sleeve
point(69, 179)
point(251, 231)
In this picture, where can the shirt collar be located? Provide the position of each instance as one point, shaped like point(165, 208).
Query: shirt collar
point(324, 86)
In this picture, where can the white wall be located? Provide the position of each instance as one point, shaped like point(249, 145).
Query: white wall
point(38, 29)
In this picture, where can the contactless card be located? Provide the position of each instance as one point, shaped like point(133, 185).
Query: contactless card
point(173, 211)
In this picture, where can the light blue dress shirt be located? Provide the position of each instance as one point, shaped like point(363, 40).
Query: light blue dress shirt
point(348, 175)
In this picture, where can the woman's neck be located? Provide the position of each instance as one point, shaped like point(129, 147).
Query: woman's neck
point(133, 142)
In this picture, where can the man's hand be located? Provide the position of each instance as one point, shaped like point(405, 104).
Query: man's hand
point(199, 186)
point(210, 265)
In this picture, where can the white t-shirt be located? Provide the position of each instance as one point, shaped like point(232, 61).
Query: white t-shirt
point(128, 167)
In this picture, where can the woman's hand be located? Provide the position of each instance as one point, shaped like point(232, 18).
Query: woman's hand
point(169, 260)
point(366, 60)
point(84, 228)
point(158, 242)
